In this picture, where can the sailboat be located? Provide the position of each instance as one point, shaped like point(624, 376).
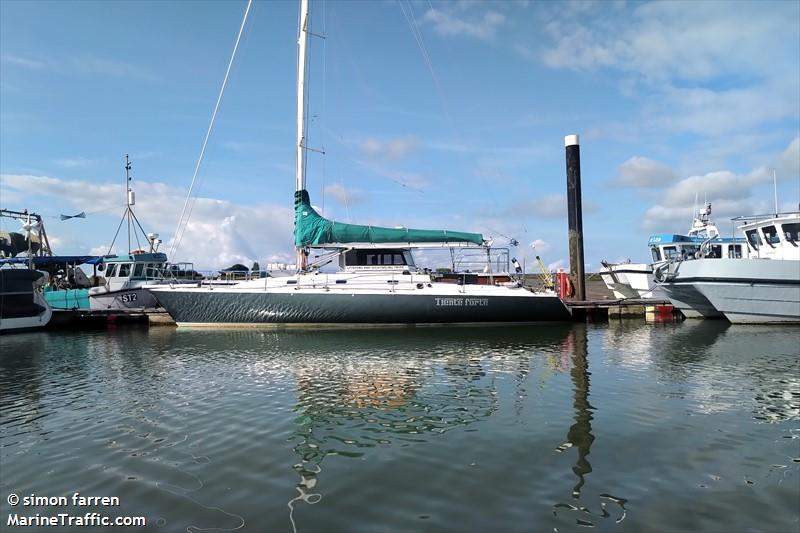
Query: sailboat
point(377, 281)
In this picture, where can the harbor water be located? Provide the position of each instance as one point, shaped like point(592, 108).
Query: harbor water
point(623, 426)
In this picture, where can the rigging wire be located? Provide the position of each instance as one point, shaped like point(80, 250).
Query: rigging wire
point(324, 97)
point(176, 240)
point(417, 34)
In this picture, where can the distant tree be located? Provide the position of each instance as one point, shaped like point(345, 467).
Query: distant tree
point(256, 267)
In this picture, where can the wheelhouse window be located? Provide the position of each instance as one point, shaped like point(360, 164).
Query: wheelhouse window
point(735, 251)
point(792, 232)
point(138, 270)
point(656, 254)
point(124, 270)
point(753, 238)
point(716, 251)
point(111, 270)
point(670, 252)
point(771, 234)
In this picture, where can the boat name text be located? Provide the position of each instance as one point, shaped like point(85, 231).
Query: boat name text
point(462, 302)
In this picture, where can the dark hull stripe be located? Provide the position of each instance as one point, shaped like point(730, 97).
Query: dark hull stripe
point(292, 308)
point(742, 281)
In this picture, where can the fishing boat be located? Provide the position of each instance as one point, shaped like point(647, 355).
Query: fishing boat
point(762, 287)
point(375, 279)
point(636, 280)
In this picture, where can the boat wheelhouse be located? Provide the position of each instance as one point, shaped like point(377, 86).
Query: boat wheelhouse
point(772, 236)
point(635, 280)
point(671, 247)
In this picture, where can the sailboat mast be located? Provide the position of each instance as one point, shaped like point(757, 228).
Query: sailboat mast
point(300, 169)
point(128, 197)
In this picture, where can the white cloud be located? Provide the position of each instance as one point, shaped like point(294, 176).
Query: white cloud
point(75, 162)
point(553, 205)
point(677, 40)
point(540, 246)
point(343, 195)
point(643, 172)
point(788, 165)
point(390, 149)
point(26, 62)
point(730, 194)
point(117, 68)
point(546, 206)
point(409, 180)
point(705, 68)
point(219, 233)
point(705, 111)
point(87, 64)
point(448, 22)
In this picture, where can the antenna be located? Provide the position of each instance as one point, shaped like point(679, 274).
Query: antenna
point(128, 195)
point(775, 189)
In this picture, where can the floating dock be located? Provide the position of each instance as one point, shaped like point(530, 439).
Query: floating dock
point(63, 318)
point(601, 305)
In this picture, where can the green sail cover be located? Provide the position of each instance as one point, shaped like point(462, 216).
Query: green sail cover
point(312, 229)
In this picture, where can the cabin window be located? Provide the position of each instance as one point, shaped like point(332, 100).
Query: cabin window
point(771, 234)
point(656, 254)
point(138, 270)
point(735, 251)
point(792, 232)
point(670, 252)
point(753, 238)
point(124, 270)
point(716, 251)
point(376, 257)
point(393, 259)
point(111, 271)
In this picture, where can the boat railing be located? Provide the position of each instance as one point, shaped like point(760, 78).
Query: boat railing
point(477, 261)
point(764, 217)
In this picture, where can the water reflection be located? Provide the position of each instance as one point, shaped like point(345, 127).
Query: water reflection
point(387, 388)
point(580, 433)
point(580, 437)
point(189, 425)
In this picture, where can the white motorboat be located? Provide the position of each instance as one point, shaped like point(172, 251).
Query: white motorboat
point(635, 280)
point(377, 281)
point(763, 287)
point(22, 306)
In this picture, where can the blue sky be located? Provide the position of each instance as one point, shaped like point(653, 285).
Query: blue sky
point(432, 114)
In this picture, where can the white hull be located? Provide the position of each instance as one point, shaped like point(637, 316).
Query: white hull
point(28, 322)
point(631, 281)
point(22, 306)
point(689, 301)
point(747, 291)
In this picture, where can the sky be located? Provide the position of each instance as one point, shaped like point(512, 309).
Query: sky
point(430, 114)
